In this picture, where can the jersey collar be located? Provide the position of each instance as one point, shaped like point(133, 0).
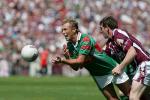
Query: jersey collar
point(114, 31)
point(78, 38)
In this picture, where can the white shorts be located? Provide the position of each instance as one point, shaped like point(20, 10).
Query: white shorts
point(103, 81)
point(143, 73)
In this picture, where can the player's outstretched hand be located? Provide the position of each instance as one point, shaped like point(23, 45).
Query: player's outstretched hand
point(117, 70)
point(56, 60)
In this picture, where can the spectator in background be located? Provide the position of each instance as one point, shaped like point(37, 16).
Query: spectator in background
point(44, 54)
point(4, 66)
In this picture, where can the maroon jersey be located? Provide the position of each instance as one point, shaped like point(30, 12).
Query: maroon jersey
point(114, 51)
point(125, 40)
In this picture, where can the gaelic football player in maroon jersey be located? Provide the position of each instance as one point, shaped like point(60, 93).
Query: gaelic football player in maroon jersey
point(133, 51)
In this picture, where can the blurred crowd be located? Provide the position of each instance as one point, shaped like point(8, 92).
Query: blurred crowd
point(38, 22)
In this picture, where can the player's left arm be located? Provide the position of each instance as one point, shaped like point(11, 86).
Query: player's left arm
point(84, 51)
point(67, 56)
point(126, 61)
point(127, 46)
point(74, 63)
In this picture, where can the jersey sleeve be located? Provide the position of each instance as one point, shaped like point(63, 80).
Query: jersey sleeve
point(122, 39)
point(86, 46)
point(107, 49)
point(127, 45)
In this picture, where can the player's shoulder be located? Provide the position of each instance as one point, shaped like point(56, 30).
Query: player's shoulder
point(86, 37)
point(120, 32)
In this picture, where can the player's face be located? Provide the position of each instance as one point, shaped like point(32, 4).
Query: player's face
point(105, 31)
point(67, 31)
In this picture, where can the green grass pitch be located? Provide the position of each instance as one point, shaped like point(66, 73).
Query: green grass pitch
point(49, 88)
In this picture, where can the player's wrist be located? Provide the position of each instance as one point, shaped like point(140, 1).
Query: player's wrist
point(61, 60)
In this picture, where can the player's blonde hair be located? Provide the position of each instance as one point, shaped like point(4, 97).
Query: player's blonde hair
point(73, 23)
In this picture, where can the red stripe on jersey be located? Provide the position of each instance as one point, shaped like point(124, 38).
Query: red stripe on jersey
point(97, 47)
point(86, 39)
point(86, 47)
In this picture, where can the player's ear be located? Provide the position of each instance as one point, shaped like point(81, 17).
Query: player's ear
point(109, 32)
point(74, 30)
point(107, 29)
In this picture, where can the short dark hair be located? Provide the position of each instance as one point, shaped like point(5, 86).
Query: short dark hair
point(110, 22)
point(72, 21)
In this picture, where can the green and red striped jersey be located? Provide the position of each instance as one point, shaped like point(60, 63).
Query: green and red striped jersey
point(97, 62)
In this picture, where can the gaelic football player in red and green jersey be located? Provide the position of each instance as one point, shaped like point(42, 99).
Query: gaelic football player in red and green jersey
point(83, 51)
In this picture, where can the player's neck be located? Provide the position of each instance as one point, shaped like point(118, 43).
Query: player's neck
point(110, 34)
point(74, 40)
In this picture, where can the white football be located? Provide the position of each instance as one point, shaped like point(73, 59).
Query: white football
point(29, 53)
